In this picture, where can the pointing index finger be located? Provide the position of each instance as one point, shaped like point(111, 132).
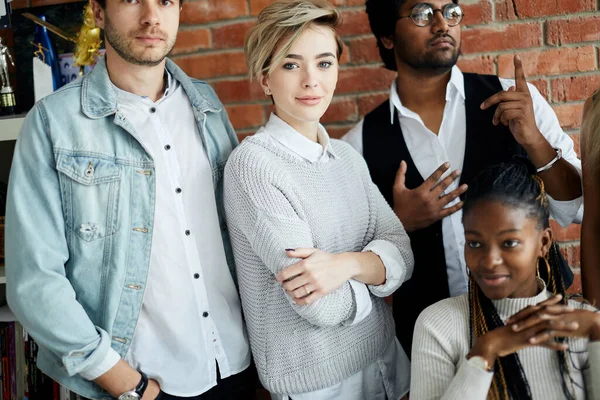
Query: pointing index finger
point(520, 80)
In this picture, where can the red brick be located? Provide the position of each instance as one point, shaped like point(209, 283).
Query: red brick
point(210, 65)
point(568, 234)
point(550, 62)
point(246, 116)
point(364, 50)
point(368, 102)
point(354, 22)
point(190, 40)
point(572, 254)
point(337, 131)
point(341, 110)
point(238, 90)
point(542, 86)
point(574, 88)
point(573, 30)
point(507, 37)
point(345, 58)
point(230, 35)
point(569, 115)
point(519, 9)
point(256, 6)
point(202, 11)
point(18, 4)
point(477, 13)
point(364, 79)
point(478, 64)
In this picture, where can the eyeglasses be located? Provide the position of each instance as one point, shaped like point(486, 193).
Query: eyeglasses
point(422, 14)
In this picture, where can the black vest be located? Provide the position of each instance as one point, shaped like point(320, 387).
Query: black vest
point(383, 149)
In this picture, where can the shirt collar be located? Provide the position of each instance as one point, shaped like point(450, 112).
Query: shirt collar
point(170, 87)
point(279, 130)
point(455, 85)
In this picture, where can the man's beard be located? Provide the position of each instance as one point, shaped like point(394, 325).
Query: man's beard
point(123, 47)
point(437, 62)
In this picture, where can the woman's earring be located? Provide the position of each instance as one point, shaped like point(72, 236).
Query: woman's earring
point(267, 92)
point(537, 270)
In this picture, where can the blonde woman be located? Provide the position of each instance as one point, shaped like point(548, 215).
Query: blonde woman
point(315, 244)
point(590, 230)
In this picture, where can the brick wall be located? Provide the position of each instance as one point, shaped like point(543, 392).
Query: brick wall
point(558, 41)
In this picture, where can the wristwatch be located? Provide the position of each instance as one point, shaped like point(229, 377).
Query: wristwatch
point(137, 392)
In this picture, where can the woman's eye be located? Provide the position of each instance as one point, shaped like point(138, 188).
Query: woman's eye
point(511, 243)
point(325, 64)
point(473, 245)
point(166, 2)
point(290, 66)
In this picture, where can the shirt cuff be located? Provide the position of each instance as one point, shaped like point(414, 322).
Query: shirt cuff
point(395, 269)
point(472, 379)
point(362, 299)
point(565, 212)
point(110, 360)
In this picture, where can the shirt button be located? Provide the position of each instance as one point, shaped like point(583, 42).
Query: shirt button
point(152, 110)
point(168, 147)
point(205, 314)
point(178, 190)
point(187, 232)
point(196, 276)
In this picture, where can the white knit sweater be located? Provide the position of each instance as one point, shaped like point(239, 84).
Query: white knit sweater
point(275, 201)
point(441, 342)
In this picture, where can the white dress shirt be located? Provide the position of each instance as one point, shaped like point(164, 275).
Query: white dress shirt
point(429, 151)
point(389, 375)
point(191, 316)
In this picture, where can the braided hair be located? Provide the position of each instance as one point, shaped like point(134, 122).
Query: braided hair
point(514, 185)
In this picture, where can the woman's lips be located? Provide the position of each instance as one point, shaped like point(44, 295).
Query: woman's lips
point(309, 100)
point(493, 280)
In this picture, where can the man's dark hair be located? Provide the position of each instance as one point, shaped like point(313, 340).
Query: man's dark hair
point(383, 15)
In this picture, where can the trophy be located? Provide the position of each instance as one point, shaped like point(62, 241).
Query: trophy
point(7, 95)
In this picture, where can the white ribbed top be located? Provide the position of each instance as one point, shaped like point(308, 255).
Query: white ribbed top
point(441, 342)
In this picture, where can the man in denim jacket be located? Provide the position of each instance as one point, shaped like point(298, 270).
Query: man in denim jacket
point(118, 259)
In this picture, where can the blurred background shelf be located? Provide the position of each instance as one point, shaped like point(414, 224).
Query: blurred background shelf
point(10, 127)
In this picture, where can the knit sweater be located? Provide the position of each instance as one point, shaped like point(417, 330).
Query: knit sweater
point(440, 369)
point(275, 201)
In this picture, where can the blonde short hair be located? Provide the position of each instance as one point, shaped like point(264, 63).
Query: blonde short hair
point(591, 131)
point(278, 27)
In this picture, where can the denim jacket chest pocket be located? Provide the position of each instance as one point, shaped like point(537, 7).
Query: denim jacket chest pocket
point(90, 192)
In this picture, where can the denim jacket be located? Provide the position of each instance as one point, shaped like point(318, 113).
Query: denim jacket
point(79, 221)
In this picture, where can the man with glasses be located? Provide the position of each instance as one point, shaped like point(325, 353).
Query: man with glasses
point(438, 129)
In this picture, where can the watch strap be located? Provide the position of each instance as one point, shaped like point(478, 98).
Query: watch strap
point(142, 385)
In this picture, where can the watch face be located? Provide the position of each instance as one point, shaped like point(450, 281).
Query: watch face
point(129, 396)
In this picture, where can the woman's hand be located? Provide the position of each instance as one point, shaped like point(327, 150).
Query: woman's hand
point(318, 274)
point(533, 326)
point(585, 323)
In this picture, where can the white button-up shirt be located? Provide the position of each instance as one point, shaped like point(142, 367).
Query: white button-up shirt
point(389, 375)
point(191, 316)
point(429, 151)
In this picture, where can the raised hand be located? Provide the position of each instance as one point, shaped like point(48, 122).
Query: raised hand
point(515, 109)
point(420, 207)
point(533, 326)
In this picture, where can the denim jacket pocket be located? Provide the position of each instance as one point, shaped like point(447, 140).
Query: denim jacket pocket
point(90, 190)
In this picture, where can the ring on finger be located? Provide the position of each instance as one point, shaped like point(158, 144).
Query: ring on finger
point(306, 289)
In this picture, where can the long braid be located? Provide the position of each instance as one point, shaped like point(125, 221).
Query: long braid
point(513, 184)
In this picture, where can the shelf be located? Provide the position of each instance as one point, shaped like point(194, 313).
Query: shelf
point(6, 315)
point(2, 275)
point(10, 127)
